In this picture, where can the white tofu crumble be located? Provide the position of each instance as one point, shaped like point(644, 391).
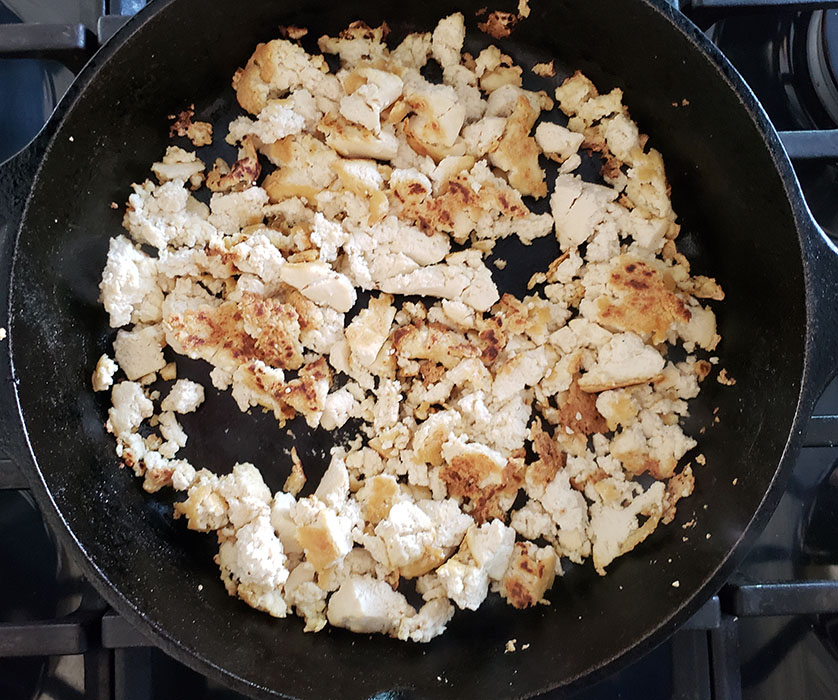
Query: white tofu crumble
point(103, 374)
point(184, 397)
point(340, 282)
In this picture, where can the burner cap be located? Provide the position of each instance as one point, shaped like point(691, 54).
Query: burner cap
point(822, 55)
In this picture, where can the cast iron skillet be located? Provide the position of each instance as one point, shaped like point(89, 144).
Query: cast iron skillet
point(744, 222)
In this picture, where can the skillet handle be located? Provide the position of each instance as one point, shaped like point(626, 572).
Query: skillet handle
point(823, 278)
point(16, 177)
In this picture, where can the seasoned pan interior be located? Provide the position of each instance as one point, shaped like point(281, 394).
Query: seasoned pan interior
point(737, 226)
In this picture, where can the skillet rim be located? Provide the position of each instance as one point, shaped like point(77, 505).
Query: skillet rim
point(178, 648)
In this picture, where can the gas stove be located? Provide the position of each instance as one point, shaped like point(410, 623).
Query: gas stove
point(772, 630)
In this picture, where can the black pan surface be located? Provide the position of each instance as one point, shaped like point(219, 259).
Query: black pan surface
point(742, 222)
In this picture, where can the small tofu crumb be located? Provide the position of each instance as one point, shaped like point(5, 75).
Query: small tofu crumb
point(498, 24)
point(545, 70)
point(500, 263)
point(676, 584)
point(723, 378)
point(735, 481)
point(199, 133)
point(701, 459)
point(103, 374)
point(525, 646)
point(510, 646)
point(297, 478)
point(292, 32)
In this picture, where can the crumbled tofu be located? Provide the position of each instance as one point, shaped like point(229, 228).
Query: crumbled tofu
point(615, 529)
point(517, 151)
point(172, 433)
point(245, 493)
point(413, 52)
point(140, 351)
point(529, 575)
point(129, 287)
point(279, 67)
point(370, 329)
point(297, 478)
point(483, 136)
point(167, 214)
point(388, 248)
point(503, 101)
point(544, 70)
point(282, 510)
point(468, 418)
point(276, 121)
point(305, 167)
point(428, 623)
point(463, 276)
point(328, 236)
point(483, 556)
point(338, 408)
point(491, 546)
point(178, 164)
point(378, 90)
point(320, 283)
point(325, 536)
point(722, 378)
point(569, 513)
point(302, 592)
point(357, 43)
point(103, 374)
point(447, 40)
point(437, 120)
point(365, 605)
point(254, 555)
point(403, 537)
point(130, 408)
point(204, 508)
point(464, 583)
point(498, 24)
point(184, 397)
point(624, 360)
point(354, 141)
point(578, 207)
point(199, 133)
point(557, 142)
point(234, 211)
